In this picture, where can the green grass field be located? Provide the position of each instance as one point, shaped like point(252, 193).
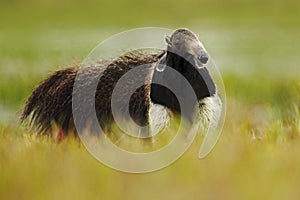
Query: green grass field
point(256, 46)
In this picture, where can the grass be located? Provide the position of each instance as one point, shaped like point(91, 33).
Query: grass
point(250, 161)
point(254, 43)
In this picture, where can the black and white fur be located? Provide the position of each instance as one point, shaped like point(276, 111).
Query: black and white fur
point(186, 54)
point(152, 104)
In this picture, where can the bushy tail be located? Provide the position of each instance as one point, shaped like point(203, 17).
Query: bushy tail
point(51, 101)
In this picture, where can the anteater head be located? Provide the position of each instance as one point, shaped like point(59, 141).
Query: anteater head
point(186, 54)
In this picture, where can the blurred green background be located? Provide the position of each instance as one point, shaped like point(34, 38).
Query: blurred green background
point(254, 43)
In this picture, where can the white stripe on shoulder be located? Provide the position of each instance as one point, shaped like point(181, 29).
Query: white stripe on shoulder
point(159, 118)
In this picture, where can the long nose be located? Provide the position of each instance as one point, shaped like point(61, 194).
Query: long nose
point(203, 57)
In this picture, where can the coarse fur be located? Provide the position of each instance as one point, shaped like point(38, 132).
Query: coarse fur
point(51, 101)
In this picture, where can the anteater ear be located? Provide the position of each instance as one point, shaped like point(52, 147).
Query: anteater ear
point(168, 40)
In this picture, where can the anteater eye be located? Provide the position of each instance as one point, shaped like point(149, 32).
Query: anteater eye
point(203, 57)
